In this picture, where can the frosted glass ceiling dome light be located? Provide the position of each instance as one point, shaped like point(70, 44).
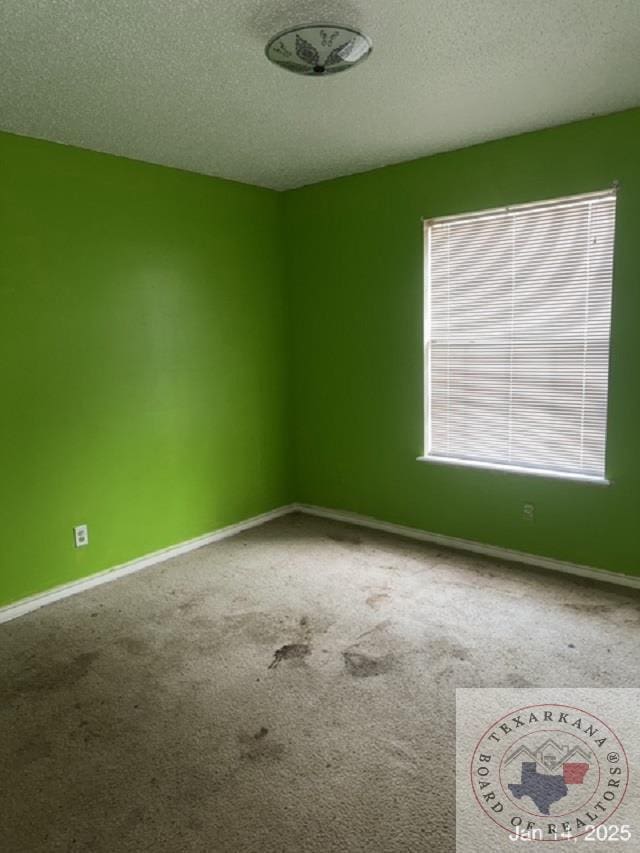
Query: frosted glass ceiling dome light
point(318, 49)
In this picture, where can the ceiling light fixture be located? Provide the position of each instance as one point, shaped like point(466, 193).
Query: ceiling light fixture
point(318, 49)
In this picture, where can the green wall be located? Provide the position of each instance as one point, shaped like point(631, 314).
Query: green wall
point(178, 353)
point(354, 253)
point(142, 375)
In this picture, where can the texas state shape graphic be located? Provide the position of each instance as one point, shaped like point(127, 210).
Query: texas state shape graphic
point(545, 789)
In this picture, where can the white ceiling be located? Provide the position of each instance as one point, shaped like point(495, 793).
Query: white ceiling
point(185, 82)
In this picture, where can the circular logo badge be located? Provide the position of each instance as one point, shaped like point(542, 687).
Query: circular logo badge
point(549, 772)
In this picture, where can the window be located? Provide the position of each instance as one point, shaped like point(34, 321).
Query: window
point(517, 317)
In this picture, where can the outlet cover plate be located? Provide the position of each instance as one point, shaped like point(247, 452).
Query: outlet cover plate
point(81, 535)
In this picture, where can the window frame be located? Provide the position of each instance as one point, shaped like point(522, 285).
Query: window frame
point(536, 471)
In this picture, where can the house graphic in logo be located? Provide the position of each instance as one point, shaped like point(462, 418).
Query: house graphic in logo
point(550, 755)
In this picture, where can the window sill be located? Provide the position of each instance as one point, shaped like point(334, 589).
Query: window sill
point(515, 469)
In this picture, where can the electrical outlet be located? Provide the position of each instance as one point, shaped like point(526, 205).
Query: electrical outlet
point(528, 512)
point(81, 535)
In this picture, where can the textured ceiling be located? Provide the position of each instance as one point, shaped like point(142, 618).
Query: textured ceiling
point(185, 82)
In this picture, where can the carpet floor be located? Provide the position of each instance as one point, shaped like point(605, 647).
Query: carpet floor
point(289, 689)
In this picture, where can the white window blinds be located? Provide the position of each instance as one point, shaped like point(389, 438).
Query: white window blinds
point(517, 317)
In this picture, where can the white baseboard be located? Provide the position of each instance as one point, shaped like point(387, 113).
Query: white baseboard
point(34, 602)
point(475, 547)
